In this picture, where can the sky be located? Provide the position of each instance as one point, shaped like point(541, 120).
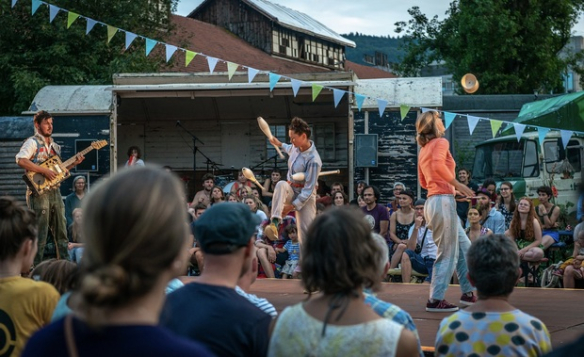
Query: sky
point(370, 17)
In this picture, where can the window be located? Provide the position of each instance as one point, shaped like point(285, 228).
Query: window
point(530, 164)
point(280, 132)
point(323, 136)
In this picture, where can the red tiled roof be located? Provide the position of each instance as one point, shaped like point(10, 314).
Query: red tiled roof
point(366, 72)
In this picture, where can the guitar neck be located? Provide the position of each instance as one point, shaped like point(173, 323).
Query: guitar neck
point(74, 158)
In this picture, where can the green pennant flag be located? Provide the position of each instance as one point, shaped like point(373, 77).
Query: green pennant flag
point(111, 31)
point(189, 55)
point(495, 125)
point(71, 17)
point(231, 68)
point(404, 110)
point(315, 91)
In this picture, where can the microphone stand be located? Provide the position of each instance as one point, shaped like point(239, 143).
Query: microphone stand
point(275, 157)
point(195, 148)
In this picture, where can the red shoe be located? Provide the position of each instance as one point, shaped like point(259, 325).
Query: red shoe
point(440, 306)
point(468, 300)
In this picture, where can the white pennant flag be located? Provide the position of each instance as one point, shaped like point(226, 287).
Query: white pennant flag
point(472, 123)
point(519, 129)
point(251, 73)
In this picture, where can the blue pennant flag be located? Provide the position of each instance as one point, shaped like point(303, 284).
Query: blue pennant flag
point(170, 50)
point(53, 11)
point(212, 62)
point(295, 86)
point(150, 45)
point(472, 123)
point(381, 104)
point(130, 37)
point(35, 5)
point(90, 24)
point(360, 98)
point(519, 129)
point(14, 2)
point(274, 78)
point(251, 73)
point(566, 135)
point(542, 132)
point(449, 118)
point(338, 95)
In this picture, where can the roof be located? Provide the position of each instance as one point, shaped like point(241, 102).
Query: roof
point(73, 99)
point(367, 72)
point(291, 19)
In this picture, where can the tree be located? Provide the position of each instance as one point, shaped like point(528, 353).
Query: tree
point(512, 46)
point(35, 53)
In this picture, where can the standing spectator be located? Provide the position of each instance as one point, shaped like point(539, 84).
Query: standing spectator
point(74, 199)
point(462, 204)
point(490, 217)
point(506, 203)
point(25, 305)
point(204, 196)
point(134, 157)
point(375, 213)
point(548, 214)
point(209, 310)
point(133, 249)
point(492, 326)
point(336, 259)
point(400, 224)
point(526, 231)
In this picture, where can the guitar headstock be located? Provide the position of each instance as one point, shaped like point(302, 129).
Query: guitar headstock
point(98, 144)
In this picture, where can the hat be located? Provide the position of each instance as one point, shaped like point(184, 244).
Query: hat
point(224, 228)
point(409, 193)
point(420, 202)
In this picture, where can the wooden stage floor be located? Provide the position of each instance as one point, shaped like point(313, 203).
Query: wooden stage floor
point(559, 309)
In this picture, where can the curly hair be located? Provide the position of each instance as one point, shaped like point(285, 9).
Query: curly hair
point(40, 116)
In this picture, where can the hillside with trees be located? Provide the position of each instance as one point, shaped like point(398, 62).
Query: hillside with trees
point(368, 45)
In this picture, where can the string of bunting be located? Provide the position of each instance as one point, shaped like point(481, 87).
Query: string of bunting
point(274, 78)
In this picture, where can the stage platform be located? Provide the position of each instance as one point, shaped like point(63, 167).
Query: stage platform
point(559, 309)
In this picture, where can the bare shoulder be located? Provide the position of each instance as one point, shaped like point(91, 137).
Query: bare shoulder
point(407, 344)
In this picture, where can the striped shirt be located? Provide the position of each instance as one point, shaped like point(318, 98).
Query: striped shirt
point(261, 303)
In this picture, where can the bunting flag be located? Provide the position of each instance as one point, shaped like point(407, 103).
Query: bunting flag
point(338, 95)
point(35, 5)
point(360, 98)
point(519, 129)
point(71, 17)
point(111, 32)
point(212, 62)
point(404, 109)
point(251, 73)
point(89, 27)
point(274, 78)
point(53, 11)
point(150, 45)
point(449, 118)
point(472, 123)
point(189, 55)
point(295, 86)
point(231, 68)
point(130, 37)
point(495, 125)
point(542, 132)
point(170, 50)
point(566, 135)
point(381, 104)
point(14, 2)
point(316, 91)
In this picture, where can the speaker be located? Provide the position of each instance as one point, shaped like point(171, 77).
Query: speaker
point(90, 162)
point(365, 150)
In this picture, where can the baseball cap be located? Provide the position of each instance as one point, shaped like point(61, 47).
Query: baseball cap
point(225, 227)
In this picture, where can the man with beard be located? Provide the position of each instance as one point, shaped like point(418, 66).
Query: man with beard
point(204, 196)
point(48, 207)
point(490, 217)
point(462, 204)
point(375, 213)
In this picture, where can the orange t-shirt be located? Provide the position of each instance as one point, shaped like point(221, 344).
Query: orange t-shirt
point(436, 167)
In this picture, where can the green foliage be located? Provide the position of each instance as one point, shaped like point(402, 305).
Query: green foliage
point(368, 45)
point(511, 46)
point(35, 53)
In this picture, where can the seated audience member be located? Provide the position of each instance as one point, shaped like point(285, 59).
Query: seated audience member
point(506, 203)
point(491, 187)
point(241, 182)
point(74, 199)
point(399, 226)
point(336, 260)
point(375, 214)
point(75, 245)
point(490, 217)
point(420, 236)
point(319, 208)
point(574, 271)
point(358, 192)
point(216, 315)
point(59, 273)
point(26, 305)
point(462, 204)
point(386, 309)
point(292, 247)
point(264, 243)
point(232, 197)
point(133, 249)
point(217, 195)
point(526, 231)
point(475, 229)
point(270, 186)
point(244, 283)
point(340, 199)
point(204, 196)
point(134, 157)
point(548, 215)
point(492, 326)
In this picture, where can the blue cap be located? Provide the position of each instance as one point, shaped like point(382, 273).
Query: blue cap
point(225, 227)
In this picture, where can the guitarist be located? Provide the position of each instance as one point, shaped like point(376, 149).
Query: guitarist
point(48, 207)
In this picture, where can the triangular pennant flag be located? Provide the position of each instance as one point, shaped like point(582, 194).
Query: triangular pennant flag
point(170, 50)
point(403, 111)
point(338, 95)
point(14, 2)
point(90, 24)
point(519, 129)
point(150, 45)
point(295, 86)
point(189, 55)
point(360, 98)
point(212, 62)
point(449, 118)
point(111, 31)
point(425, 109)
point(251, 73)
point(71, 17)
point(53, 11)
point(566, 135)
point(381, 104)
point(542, 132)
point(315, 91)
point(495, 125)
point(35, 5)
point(130, 37)
point(472, 123)
point(274, 78)
point(231, 68)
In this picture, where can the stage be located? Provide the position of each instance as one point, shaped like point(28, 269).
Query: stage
point(559, 309)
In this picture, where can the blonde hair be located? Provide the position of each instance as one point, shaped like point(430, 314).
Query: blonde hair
point(129, 243)
point(429, 126)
